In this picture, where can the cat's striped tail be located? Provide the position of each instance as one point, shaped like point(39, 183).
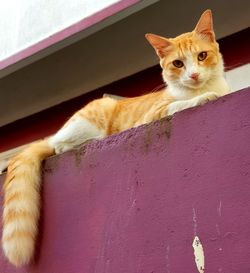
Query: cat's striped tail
point(22, 203)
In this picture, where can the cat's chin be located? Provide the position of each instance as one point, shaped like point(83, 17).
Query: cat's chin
point(193, 85)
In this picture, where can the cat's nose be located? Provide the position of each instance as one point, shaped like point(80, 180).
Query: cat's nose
point(194, 76)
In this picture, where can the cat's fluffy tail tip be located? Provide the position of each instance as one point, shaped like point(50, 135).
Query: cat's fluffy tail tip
point(18, 253)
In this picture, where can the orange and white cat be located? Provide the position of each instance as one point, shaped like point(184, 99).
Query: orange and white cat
point(193, 71)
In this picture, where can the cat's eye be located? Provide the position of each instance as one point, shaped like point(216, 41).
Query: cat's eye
point(202, 56)
point(178, 63)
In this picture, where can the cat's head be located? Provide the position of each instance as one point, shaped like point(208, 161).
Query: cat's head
point(191, 59)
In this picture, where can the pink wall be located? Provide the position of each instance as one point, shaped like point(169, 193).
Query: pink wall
point(133, 202)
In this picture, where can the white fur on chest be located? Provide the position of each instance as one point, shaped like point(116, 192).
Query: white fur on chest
point(187, 98)
point(218, 86)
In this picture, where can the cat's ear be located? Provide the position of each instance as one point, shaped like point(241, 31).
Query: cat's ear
point(204, 27)
point(160, 44)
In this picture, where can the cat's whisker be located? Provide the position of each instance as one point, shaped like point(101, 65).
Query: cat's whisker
point(159, 87)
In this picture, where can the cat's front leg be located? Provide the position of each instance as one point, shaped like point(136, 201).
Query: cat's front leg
point(178, 106)
point(75, 132)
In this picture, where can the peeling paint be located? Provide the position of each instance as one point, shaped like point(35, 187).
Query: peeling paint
point(199, 255)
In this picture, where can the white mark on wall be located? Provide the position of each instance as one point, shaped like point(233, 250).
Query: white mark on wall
point(107, 265)
point(167, 259)
point(127, 215)
point(219, 209)
point(219, 212)
point(194, 222)
point(217, 229)
point(199, 255)
point(110, 227)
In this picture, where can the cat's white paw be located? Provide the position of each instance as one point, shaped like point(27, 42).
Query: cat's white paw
point(62, 147)
point(185, 104)
point(206, 97)
point(173, 108)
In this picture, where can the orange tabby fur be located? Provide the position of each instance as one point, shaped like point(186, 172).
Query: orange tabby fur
point(195, 83)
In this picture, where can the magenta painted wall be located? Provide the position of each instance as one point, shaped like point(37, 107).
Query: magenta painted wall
point(133, 202)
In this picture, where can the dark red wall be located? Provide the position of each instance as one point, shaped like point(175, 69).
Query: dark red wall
point(235, 49)
point(134, 202)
